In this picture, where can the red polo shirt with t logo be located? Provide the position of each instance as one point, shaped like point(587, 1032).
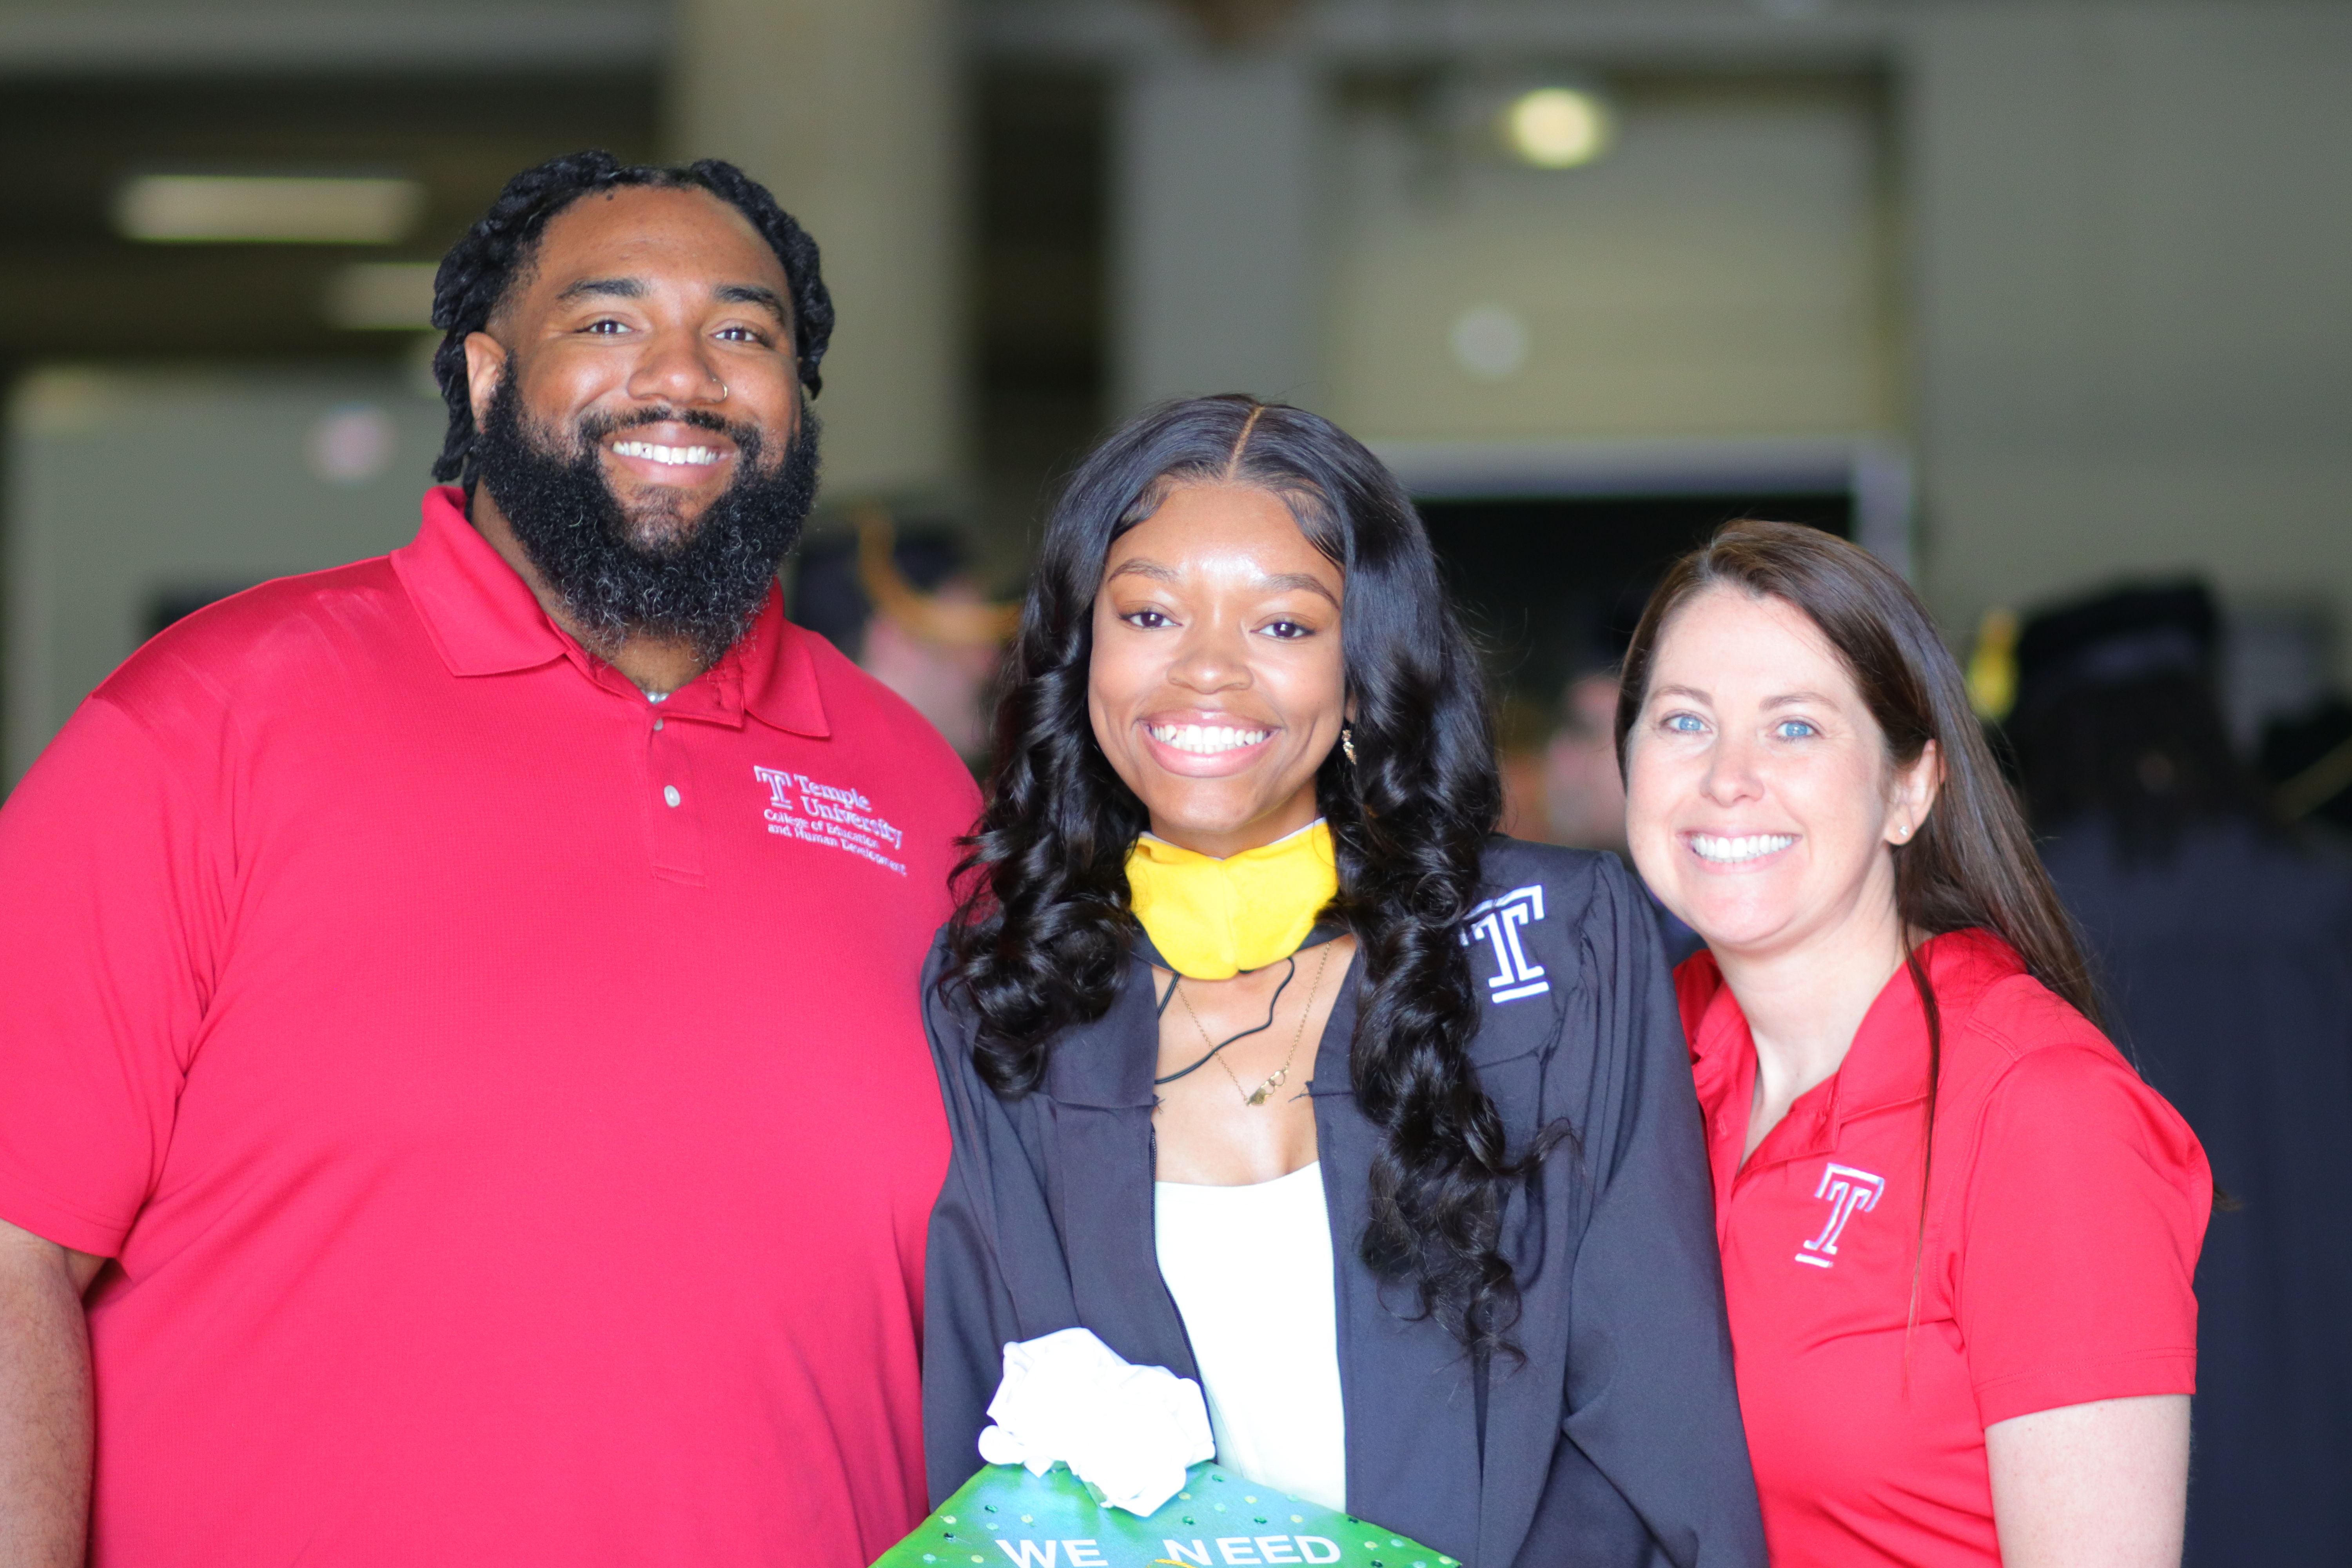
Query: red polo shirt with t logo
point(505, 1097)
point(1877, 1337)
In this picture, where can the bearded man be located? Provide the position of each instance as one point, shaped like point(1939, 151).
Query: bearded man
point(464, 1098)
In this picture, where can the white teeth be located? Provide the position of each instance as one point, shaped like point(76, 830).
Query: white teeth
point(682, 456)
point(1709, 847)
point(1206, 739)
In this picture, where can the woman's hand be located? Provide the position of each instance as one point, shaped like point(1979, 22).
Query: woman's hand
point(2104, 1485)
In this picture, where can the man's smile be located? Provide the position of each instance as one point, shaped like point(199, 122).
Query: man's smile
point(675, 456)
point(671, 453)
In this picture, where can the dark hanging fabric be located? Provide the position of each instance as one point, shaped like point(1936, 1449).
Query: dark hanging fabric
point(2227, 968)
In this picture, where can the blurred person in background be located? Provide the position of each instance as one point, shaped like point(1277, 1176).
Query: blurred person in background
point(2223, 950)
point(1959, 1232)
point(465, 1099)
point(904, 605)
point(1584, 793)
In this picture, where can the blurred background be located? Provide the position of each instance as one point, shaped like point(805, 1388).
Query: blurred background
point(2048, 302)
point(2029, 297)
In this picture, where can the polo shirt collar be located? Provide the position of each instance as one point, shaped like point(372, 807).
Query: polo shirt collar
point(1885, 1068)
point(484, 620)
point(777, 673)
point(1887, 1065)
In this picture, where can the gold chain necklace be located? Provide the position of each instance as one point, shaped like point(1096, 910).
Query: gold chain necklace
point(1280, 1075)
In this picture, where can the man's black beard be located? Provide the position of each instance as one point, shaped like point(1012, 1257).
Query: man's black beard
point(623, 574)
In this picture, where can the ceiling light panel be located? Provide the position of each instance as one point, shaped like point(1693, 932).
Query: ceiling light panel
point(1557, 127)
point(254, 209)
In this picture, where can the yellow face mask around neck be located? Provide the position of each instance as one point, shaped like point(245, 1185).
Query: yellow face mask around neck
point(1212, 918)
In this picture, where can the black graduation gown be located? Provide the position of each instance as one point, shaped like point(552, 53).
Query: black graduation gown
point(2228, 975)
point(1617, 1441)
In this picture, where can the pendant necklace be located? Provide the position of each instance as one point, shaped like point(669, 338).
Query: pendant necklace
point(1280, 1075)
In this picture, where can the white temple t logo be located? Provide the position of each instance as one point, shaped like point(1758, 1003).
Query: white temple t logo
point(1847, 1190)
point(779, 786)
point(838, 816)
point(1498, 921)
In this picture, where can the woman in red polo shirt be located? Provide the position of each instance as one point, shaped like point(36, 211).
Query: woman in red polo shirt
point(1957, 1230)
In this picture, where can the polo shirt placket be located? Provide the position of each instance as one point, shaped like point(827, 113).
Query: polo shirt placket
point(1777, 1192)
point(674, 808)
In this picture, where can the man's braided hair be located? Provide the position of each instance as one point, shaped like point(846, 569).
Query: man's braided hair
point(480, 268)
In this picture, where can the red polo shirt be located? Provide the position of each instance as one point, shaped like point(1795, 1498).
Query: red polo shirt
point(2050, 1263)
point(505, 1097)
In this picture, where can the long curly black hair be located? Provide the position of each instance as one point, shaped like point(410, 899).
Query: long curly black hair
point(1043, 934)
point(480, 268)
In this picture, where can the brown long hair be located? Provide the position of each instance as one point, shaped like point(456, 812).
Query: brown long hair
point(1971, 863)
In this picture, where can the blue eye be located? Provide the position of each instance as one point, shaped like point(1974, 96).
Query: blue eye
point(1794, 730)
point(1684, 724)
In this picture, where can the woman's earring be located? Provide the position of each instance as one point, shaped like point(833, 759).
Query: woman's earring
point(1347, 742)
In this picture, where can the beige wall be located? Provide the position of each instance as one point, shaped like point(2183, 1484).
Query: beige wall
point(2134, 297)
point(1722, 271)
point(231, 476)
point(1217, 161)
point(848, 111)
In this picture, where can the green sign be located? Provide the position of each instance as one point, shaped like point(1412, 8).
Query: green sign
point(1006, 1518)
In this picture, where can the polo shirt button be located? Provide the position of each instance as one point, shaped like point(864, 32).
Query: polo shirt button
point(658, 724)
point(669, 793)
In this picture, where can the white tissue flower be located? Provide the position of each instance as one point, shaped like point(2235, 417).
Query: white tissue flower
point(1129, 1432)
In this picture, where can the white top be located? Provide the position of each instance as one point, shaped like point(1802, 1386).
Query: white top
point(1251, 1271)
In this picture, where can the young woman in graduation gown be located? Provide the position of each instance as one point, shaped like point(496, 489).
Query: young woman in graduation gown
point(1267, 1061)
